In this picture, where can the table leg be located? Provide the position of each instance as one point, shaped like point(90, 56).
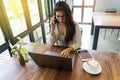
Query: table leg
point(92, 27)
point(117, 34)
point(95, 39)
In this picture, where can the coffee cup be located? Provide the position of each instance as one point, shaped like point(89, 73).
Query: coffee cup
point(93, 64)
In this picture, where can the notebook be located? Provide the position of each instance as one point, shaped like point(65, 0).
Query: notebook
point(53, 60)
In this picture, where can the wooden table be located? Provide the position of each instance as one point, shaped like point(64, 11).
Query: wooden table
point(12, 70)
point(103, 20)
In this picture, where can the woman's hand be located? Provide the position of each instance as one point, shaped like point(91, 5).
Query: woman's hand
point(65, 52)
point(52, 22)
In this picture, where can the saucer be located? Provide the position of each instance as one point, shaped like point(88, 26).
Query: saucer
point(87, 69)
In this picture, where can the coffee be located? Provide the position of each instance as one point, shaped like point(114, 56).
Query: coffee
point(93, 64)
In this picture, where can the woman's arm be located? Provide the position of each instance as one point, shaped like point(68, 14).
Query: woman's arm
point(73, 45)
point(53, 38)
point(76, 43)
point(52, 31)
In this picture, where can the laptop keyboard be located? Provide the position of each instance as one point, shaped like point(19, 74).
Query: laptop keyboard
point(52, 53)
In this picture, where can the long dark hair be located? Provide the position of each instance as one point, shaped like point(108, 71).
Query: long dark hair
point(70, 24)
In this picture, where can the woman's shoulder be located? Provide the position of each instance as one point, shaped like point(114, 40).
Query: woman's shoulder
point(76, 24)
point(78, 27)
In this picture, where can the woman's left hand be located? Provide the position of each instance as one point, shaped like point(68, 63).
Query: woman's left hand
point(65, 52)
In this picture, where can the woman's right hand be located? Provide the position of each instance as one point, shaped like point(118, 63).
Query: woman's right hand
point(52, 22)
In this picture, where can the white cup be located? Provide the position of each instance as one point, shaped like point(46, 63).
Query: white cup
point(93, 64)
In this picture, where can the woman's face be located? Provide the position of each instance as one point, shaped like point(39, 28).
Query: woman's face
point(61, 17)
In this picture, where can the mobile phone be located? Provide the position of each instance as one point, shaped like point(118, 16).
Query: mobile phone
point(55, 19)
point(84, 55)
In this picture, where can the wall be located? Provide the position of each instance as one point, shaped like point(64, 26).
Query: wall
point(102, 5)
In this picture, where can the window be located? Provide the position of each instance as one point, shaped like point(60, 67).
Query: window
point(77, 2)
point(4, 57)
point(15, 16)
point(47, 32)
point(20, 16)
point(57, 0)
point(38, 35)
point(89, 2)
point(87, 16)
point(26, 39)
point(43, 9)
point(83, 10)
point(77, 14)
point(33, 10)
point(2, 41)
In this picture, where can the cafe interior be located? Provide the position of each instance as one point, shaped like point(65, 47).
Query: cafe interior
point(99, 21)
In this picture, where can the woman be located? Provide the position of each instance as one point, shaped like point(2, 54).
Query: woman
point(64, 31)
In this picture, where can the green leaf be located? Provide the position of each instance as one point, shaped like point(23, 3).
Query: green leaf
point(11, 46)
point(20, 39)
point(15, 47)
point(13, 52)
point(24, 50)
point(36, 44)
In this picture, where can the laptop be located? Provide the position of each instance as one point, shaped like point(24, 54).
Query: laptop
point(53, 60)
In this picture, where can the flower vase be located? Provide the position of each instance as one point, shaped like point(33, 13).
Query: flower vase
point(21, 59)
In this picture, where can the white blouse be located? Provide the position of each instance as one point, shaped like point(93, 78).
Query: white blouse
point(59, 39)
